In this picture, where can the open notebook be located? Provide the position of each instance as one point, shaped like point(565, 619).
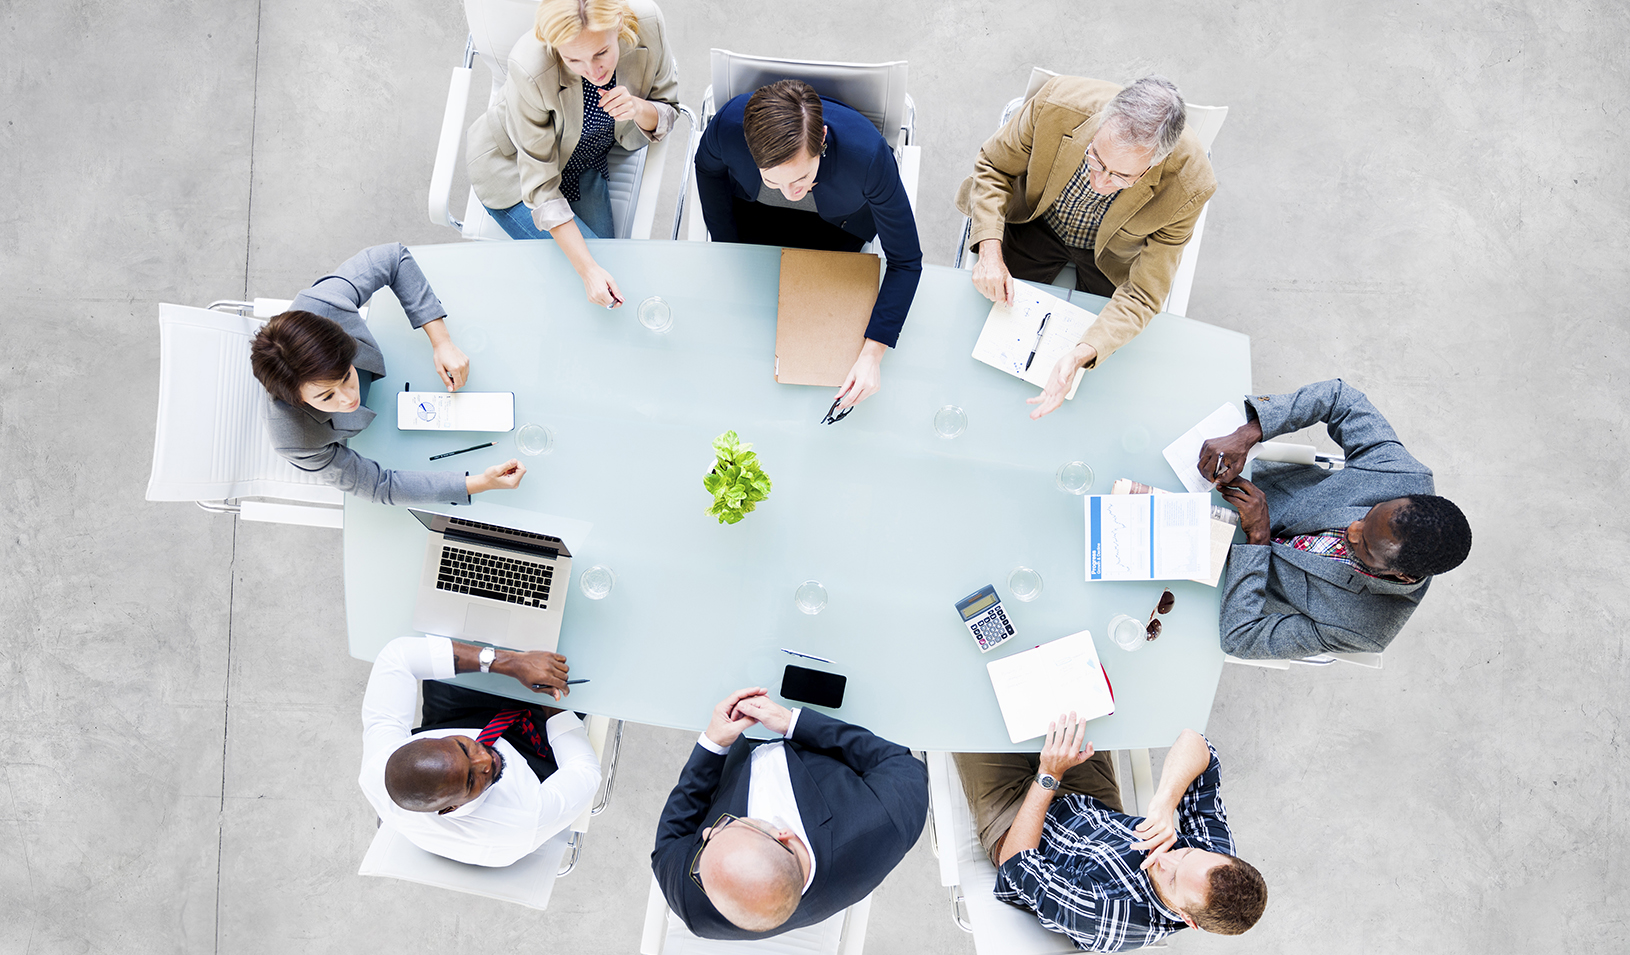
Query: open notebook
point(1034, 687)
point(1011, 332)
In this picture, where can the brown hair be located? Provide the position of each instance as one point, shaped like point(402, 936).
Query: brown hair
point(298, 347)
point(782, 122)
point(560, 21)
point(1235, 898)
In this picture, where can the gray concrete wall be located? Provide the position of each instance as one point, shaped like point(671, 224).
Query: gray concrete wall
point(1419, 198)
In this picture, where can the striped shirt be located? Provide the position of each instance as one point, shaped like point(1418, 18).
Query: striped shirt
point(1083, 880)
point(594, 145)
point(1078, 210)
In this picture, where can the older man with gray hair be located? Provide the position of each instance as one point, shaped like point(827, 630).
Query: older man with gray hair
point(1099, 176)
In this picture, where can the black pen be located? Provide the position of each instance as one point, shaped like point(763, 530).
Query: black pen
point(1039, 332)
point(574, 682)
point(448, 454)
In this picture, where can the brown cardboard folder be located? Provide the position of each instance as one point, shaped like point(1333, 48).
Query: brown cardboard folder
point(820, 321)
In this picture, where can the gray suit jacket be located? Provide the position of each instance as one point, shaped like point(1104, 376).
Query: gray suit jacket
point(314, 440)
point(1282, 603)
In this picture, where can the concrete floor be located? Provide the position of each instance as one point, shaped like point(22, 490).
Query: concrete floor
point(1416, 197)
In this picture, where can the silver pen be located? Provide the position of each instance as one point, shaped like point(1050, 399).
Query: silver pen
point(1039, 333)
point(806, 656)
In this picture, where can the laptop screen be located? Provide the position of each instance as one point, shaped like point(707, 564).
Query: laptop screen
point(495, 534)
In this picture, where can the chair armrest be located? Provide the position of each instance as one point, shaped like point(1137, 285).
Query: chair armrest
point(447, 151)
point(942, 816)
point(656, 921)
point(911, 162)
point(853, 940)
point(687, 174)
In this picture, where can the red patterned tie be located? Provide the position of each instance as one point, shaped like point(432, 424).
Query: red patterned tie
point(521, 720)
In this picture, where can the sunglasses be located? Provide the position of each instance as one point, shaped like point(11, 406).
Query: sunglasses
point(1167, 601)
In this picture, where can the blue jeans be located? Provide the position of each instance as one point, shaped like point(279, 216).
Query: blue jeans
point(592, 210)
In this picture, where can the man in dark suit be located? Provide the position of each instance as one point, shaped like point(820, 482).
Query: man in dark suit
point(760, 839)
point(783, 166)
point(1333, 561)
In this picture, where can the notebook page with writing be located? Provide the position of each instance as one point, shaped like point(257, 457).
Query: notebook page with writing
point(1010, 333)
point(1064, 676)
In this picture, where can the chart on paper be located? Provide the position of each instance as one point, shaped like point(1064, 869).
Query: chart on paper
point(1148, 536)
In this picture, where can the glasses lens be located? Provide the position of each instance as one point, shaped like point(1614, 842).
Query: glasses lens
point(1153, 630)
point(1167, 601)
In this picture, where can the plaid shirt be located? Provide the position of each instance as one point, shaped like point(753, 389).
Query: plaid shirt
point(1075, 214)
point(1331, 544)
point(1083, 880)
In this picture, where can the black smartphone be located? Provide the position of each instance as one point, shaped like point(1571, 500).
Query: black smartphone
point(813, 686)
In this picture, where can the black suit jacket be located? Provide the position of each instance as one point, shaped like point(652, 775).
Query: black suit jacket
point(862, 799)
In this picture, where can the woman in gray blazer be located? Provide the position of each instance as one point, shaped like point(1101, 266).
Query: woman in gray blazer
point(591, 73)
point(317, 360)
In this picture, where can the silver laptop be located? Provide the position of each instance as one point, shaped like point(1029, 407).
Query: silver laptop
point(491, 584)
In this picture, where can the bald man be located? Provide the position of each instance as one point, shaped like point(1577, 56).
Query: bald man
point(760, 838)
point(484, 779)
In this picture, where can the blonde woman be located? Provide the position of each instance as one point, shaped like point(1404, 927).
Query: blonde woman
point(590, 74)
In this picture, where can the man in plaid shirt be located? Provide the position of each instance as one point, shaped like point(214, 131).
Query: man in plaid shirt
point(1110, 881)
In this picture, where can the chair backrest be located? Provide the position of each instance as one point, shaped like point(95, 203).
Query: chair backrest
point(211, 442)
point(495, 25)
point(529, 881)
point(1205, 121)
point(842, 934)
point(875, 90)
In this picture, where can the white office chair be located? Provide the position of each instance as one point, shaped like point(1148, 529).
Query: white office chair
point(997, 928)
point(495, 25)
point(842, 934)
point(529, 881)
point(875, 90)
point(1204, 120)
point(211, 445)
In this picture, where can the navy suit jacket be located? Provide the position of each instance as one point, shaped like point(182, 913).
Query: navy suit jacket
point(858, 189)
point(862, 800)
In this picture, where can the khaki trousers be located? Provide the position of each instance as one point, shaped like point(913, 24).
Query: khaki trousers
point(996, 783)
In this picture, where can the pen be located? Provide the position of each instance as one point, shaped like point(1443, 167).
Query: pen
point(616, 301)
point(448, 454)
point(806, 656)
point(575, 682)
point(1218, 469)
point(1039, 332)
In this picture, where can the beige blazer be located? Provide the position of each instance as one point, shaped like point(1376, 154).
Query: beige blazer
point(516, 151)
point(1022, 169)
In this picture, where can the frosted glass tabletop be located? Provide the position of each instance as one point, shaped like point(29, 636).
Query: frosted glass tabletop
point(895, 521)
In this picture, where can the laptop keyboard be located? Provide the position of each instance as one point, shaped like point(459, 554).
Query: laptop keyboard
point(507, 579)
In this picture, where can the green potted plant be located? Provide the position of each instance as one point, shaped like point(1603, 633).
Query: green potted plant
point(736, 481)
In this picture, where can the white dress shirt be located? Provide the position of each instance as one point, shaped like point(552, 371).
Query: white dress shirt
point(513, 816)
point(769, 788)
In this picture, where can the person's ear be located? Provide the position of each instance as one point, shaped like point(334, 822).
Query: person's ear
point(707, 832)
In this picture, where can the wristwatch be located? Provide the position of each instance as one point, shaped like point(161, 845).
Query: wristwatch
point(488, 654)
point(1047, 781)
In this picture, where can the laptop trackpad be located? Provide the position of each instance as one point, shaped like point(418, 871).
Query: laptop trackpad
point(486, 623)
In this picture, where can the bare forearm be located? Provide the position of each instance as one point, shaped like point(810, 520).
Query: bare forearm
point(1185, 761)
point(1025, 832)
point(570, 240)
point(436, 331)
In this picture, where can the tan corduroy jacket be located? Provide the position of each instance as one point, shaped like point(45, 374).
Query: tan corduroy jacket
point(1022, 169)
point(516, 150)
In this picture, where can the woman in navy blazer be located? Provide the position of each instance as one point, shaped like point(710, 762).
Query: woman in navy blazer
point(783, 166)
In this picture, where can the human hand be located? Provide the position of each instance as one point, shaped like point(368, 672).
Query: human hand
point(769, 714)
point(1233, 448)
point(624, 106)
point(727, 722)
point(1061, 380)
point(601, 288)
point(1157, 832)
point(452, 366)
point(990, 274)
point(865, 377)
point(506, 476)
point(1063, 751)
point(537, 670)
point(1248, 499)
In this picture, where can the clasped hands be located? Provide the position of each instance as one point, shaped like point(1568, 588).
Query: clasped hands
point(737, 712)
point(1067, 747)
point(1221, 461)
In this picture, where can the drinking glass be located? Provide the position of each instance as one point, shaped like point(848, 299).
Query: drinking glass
point(1024, 583)
point(810, 597)
point(534, 439)
point(1074, 477)
point(656, 315)
point(596, 582)
point(950, 421)
point(1127, 632)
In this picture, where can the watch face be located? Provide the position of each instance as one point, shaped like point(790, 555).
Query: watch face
point(1047, 782)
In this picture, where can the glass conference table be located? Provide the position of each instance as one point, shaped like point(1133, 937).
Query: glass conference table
point(895, 521)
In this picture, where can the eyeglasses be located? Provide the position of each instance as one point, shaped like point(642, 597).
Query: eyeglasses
point(1115, 178)
point(724, 820)
point(1167, 601)
point(830, 418)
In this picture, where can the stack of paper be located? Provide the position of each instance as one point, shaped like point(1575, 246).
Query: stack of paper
point(1223, 522)
point(1034, 687)
point(1012, 332)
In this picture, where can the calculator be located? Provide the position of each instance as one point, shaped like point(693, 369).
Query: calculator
point(987, 621)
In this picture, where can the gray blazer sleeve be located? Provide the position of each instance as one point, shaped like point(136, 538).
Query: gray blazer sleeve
point(1251, 632)
point(302, 441)
point(347, 288)
point(1366, 439)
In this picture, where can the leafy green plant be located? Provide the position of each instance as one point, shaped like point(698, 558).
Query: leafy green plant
point(736, 482)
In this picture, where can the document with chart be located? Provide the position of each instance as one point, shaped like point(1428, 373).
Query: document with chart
point(1148, 536)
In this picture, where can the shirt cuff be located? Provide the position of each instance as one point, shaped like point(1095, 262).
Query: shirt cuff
point(562, 722)
point(792, 724)
point(440, 651)
point(666, 117)
point(710, 746)
point(552, 214)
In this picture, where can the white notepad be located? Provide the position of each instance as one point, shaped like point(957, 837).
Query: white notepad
point(1034, 687)
point(1184, 453)
point(1148, 536)
point(1010, 333)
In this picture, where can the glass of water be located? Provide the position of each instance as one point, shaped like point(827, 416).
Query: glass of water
point(656, 315)
point(810, 597)
point(1024, 583)
point(1074, 477)
point(950, 421)
point(1127, 632)
point(534, 439)
point(596, 582)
